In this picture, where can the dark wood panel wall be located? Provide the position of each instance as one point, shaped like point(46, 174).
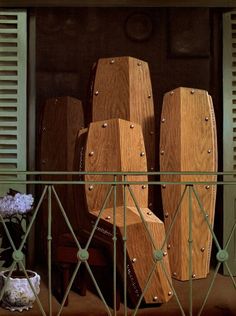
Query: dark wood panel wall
point(181, 45)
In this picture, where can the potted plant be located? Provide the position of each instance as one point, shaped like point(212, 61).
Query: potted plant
point(15, 289)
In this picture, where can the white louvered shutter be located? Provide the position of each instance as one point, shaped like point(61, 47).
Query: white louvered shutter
point(13, 105)
point(229, 130)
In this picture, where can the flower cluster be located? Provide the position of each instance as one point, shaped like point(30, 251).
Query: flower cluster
point(18, 204)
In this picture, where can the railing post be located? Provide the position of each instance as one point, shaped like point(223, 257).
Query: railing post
point(49, 241)
point(190, 241)
point(114, 246)
point(125, 249)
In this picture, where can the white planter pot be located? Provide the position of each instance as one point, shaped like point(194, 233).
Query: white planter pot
point(18, 295)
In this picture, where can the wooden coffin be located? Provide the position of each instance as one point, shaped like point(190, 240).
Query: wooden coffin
point(140, 252)
point(62, 118)
point(188, 143)
point(122, 89)
point(117, 145)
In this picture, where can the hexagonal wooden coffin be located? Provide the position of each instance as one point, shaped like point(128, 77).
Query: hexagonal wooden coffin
point(122, 89)
point(188, 143)
point(62, 118)
point(117, 145)
point(140, 252)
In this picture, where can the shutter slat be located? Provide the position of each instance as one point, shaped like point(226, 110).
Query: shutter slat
point(8, 40)
point(8, 31)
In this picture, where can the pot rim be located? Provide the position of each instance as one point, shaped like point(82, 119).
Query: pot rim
point(31, 274)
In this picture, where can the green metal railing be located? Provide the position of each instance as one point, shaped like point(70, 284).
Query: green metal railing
point(83, 252)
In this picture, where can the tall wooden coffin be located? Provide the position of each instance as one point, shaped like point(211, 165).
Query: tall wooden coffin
point(62, 118)
point(117, 145)
point(188, 143)
point(122, 89)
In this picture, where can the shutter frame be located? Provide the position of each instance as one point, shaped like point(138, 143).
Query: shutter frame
point(13, 95)
point(229, 133)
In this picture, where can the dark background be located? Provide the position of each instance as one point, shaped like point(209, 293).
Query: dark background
point(183, 47)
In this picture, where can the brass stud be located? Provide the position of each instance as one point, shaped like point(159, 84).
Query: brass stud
point(143, 186)
point(206, 215)
point(112, 61)
point(56, 100)
point(165, 253)
point(132, 126)
point(104, 125)
point(152, 168)
point(96, 92)
point(194, 276)
point(207, 187)
point(90, 188)
point(206, 118)
point(151, 133)
point(149, 96)
point(163, 186)
point(162, 152)
point(168, 247)
point(134, 260)
point(142, 154)
point(169, 293)
point(209, 151)
point(149, 213)
point(166, 214)
point(91, 153)
point(163, 120)
point(155, 298)
point(44, 129)
point(174, 274)
point(139, 63)
point(202, 249)
point(150, 204)
point(192, 91)
point(172, 92)
point(108, 217)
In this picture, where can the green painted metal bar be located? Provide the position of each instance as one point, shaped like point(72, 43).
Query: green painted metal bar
point(145, 288)
point(20, 181)
point(141, 215)
point(69, 288)
point(99, 217)
point(174, 219)
point(117, 173)
point(210, 288)
point(33, 289)
point(206, 219)
point(125, 250)
point(172, 288)
point(33, 218)
point(49, 240)
point(66, 218)
point(114, 247)
point(190, 241)
point(97, 288)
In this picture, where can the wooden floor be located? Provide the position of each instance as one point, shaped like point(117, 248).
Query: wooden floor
point(221, 301)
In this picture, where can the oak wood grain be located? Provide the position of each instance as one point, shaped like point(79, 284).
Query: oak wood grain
point(139, 248)
point(122, 89)
point(114, 145)
point(62, 118)
point(188, 143)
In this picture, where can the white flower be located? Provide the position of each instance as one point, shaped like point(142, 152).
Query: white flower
point(20, 203)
